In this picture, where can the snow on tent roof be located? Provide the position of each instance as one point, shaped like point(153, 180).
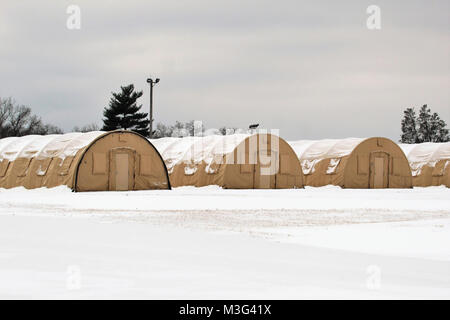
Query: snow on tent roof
point(300, 146)
point(427, 153)
point(196, 149)
point(56, 145)
point(406, 148)
point(324, 149)
point(311, 152)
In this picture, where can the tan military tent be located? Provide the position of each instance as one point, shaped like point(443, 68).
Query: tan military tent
point(353, 163)
point(429, 162)
point(116, 160)
point(238, 161)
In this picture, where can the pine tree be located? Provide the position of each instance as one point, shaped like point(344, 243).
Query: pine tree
point(439, 130)
point(444, 135)
point(425, 133)
point(409, 131)
point(426, 127)
point(123, 112)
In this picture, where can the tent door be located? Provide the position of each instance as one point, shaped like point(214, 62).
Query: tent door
point(263, 178)
point(121, 177)
point(379, 170)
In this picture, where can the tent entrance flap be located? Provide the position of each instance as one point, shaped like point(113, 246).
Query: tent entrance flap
point(261, 180)
point(264, 176)
point(379, 170)
point(121, 171)
point(121, 177)
point(379, 173)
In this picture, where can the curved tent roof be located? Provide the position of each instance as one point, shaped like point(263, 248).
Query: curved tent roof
point(311, 152)
point(41, 147)
point(327, 148)
point(427, 152)
point(196, 149)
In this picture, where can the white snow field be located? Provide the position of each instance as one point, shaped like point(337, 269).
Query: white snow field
point(207, 243)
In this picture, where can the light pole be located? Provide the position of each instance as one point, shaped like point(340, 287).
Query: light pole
point(152, 84)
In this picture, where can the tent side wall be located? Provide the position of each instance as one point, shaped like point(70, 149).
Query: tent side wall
point(359, 164)
point(321, 176)
point(241, 174)
point(144, 165)
point(238, 173)
point(289, 174)
point(444, 179)
point(35, 173)
point(184, 174)
point(430, 163)
point(436, 175)
point(189, 171)
point(199, 174)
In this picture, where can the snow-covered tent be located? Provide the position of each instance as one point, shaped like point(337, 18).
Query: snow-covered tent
point(353, 163)
point(116, 160)
point(429, 162)
point(238, 161)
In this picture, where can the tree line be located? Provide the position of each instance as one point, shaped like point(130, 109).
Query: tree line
point(17, 120)
point(124, 112)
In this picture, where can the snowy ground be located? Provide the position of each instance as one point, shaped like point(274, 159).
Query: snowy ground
point(213, 243)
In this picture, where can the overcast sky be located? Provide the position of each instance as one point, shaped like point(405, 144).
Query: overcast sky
point(309, 68)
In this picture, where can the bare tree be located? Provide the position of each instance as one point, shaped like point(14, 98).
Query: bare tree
point(226, 131)
point(51, 129)
point(180, 129)
point(18, 120)
point(6, 106)
point(86, 128)
point(162, 131)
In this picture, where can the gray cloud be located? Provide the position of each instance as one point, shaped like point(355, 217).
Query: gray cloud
point(311, 69)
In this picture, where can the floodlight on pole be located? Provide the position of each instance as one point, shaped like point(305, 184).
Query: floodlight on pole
point(152, 83)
